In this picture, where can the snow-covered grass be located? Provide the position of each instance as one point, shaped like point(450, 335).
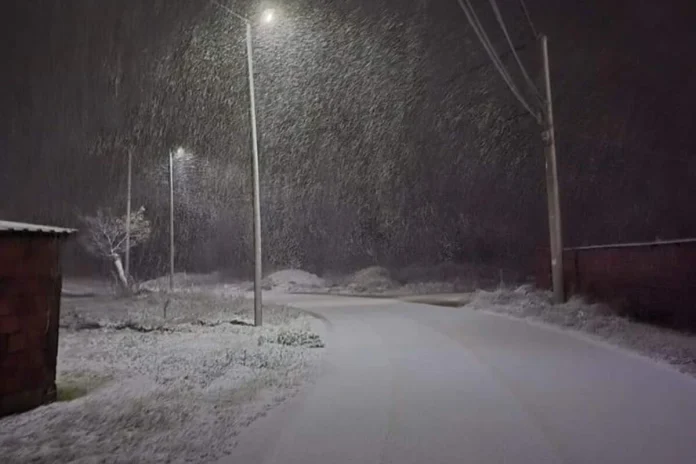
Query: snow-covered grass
point(183, 281)
point(285, 280)
point(157, 310)
point(675, 348)
point(373, 280)
point(141, 388)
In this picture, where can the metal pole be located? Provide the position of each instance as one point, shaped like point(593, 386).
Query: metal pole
point(258, 317)
point(128, 214)
point(171, 221)
point(554, 203)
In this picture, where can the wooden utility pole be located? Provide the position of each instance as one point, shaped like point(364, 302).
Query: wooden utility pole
point(554, 203)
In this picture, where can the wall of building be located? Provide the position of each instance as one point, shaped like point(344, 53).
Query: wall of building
point(30, 283)
point(654, 282)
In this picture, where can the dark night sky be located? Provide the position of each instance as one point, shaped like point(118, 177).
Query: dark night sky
point(352, 94)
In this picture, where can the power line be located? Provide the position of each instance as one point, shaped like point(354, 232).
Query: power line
point(502, 56)
point(523, 4)
point(499, 17)
point(548, 135)
point(488, 47)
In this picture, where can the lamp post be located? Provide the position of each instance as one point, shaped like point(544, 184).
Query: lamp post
point(171, 221)
point(267, 17)
point(176, 157)
point(128, 214)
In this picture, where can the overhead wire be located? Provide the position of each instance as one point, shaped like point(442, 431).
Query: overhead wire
point(523, 4)
point(497, 62)
point(501, 22)
point(488, 45)
point(476, 25)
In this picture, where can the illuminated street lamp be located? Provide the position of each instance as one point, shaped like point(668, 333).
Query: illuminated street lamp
point(267, 17)
point(176, 156)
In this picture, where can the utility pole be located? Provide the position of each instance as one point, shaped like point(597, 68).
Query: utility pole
point(128, 214)
point(546, 120)
point(554, 203)
point(171, 221)
point(258, 316)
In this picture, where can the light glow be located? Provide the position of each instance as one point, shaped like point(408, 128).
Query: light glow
point(268, 16)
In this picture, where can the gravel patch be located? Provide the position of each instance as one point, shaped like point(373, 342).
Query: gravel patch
point(178, 392)
point(670, 346)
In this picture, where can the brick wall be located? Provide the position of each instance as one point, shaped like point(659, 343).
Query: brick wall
point(654, 282)
point(30, 282)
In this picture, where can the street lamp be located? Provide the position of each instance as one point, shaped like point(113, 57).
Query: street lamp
point(267, 17)
point(180, 155)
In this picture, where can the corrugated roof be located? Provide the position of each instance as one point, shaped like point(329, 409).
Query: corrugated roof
point(9, 226)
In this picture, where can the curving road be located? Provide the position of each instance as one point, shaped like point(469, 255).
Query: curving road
point(408, 383)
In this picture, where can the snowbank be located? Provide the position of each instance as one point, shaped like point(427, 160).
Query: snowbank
point(464, 277)
point(295, 279)
point(177, 393)
point(370, 279)
point(676, 348)
point(444, 278)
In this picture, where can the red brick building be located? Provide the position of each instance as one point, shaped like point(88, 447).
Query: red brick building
point(30, 288)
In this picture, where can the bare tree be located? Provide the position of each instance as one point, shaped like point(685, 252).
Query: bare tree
point(105, 237)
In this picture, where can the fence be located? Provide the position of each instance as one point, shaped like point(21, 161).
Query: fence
point(654, 282)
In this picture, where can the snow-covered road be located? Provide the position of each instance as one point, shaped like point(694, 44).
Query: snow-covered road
point(407, 383)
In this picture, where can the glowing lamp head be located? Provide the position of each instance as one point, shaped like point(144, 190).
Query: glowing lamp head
point(268, 16)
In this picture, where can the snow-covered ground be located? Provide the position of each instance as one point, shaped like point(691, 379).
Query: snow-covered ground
point(151, 389)
point(180, 389)
point(290, 279)
point(184, 281)
point(598, 320)
point(376, 280)
point(413, 384)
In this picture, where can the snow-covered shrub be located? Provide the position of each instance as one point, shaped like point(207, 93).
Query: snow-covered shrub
point(299, 338)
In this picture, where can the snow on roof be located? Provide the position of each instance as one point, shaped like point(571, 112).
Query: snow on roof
point(9, 226)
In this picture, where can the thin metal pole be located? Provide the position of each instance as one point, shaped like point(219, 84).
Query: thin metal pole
point(258, 317)
point(128, 213)
point(171, 221)
point(554, 203)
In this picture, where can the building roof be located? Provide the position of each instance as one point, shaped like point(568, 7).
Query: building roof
point(20, 227)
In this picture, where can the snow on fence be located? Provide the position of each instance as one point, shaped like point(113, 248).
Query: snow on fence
point(654, 282)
